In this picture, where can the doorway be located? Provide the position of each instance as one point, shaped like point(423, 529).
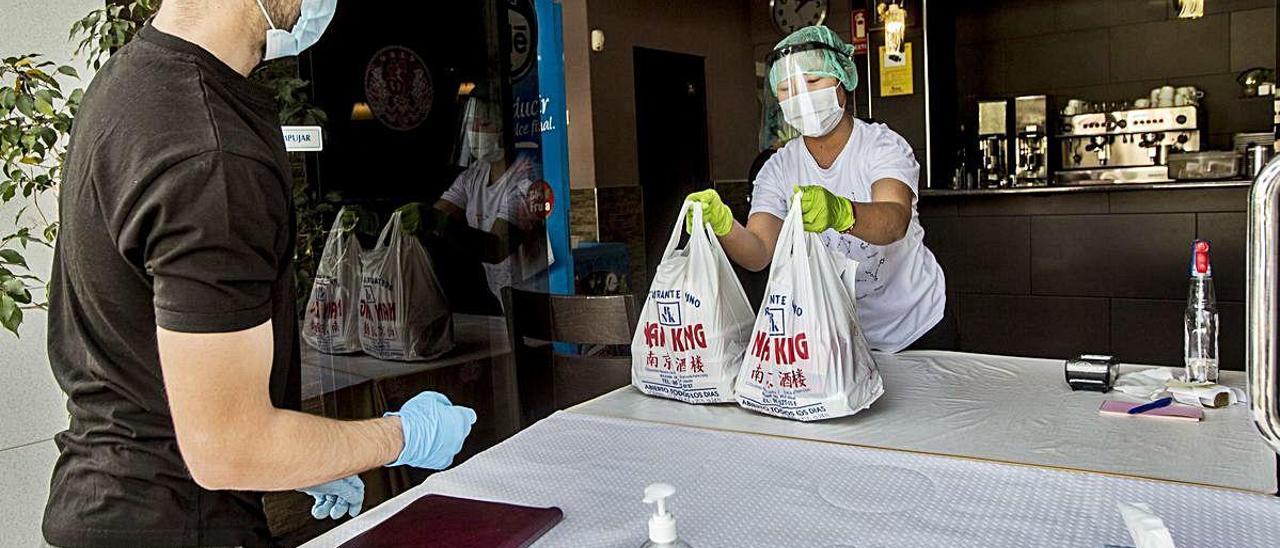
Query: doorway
point(671, 140)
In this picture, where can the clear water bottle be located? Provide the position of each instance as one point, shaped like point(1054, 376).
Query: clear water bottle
point(1200, 323)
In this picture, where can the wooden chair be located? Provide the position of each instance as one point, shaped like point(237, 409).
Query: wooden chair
point(549, 380)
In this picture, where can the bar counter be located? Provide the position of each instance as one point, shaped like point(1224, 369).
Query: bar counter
point(1057, 271)
point(1114, 187)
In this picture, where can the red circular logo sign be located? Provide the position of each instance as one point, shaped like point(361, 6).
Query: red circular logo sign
point(542, 200)
point(399, 88)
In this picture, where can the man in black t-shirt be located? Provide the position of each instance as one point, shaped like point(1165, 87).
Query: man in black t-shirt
point(172, 324)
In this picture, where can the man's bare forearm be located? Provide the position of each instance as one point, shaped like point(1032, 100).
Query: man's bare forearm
point(293, 450)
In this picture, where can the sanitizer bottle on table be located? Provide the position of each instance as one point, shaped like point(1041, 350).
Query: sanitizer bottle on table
point(1200, 333)
point(662, 525)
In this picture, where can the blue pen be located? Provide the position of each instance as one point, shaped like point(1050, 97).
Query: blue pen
point(1162, 402)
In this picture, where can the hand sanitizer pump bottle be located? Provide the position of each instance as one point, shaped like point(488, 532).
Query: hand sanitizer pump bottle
point(662, 525)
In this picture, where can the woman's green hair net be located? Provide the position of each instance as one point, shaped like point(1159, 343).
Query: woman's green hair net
point(831, 59)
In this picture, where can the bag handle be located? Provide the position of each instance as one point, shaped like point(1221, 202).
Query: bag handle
point(678, 229)
point(338, 226)
point(392, 226)
point(722, 259)
point(792, 234)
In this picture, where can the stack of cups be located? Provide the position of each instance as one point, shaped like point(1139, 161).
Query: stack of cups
point(1169, 96)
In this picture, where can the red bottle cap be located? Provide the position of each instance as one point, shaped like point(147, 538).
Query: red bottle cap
point(1200, 258)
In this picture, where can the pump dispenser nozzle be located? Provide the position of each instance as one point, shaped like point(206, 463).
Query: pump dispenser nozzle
point(662, 525)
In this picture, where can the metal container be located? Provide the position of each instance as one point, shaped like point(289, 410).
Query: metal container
point(1256, 156)
point(1093, 372)
point(1211, 164)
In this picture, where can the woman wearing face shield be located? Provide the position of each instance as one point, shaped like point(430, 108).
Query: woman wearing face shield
point(858, 184)
point(487, 209)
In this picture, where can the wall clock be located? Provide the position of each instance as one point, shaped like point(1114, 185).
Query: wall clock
point(792, 15)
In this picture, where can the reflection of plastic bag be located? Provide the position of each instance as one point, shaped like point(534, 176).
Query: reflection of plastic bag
point(694, 326)
point(332, 323)
point(403, 312)
point(808, 359)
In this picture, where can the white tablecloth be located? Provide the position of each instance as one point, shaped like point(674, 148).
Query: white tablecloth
point(736, 490)
point(1006, 409)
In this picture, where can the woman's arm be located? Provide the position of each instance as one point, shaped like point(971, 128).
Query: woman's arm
point(751, 246)
point(883, 220)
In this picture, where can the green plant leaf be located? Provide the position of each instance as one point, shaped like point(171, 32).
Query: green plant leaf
point(44, 107)
point(12, 257)
point(8, 308)
point(8, 99)
point(16, 290)
point(69, 71)
point(26, 106)
point(14, 320)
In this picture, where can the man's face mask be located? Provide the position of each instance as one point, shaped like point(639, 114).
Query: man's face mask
point(315, 18)
point(813, 113)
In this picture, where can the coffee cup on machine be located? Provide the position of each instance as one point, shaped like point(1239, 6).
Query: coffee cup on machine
point(1142, 103)
point(1187, 96)
point(1167, 95)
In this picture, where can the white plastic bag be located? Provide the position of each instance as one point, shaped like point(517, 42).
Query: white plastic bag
point(694, 326)
point(332, 322)
point(403, 313)
point(808, 359)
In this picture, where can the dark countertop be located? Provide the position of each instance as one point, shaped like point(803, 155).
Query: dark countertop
point(1171, 185)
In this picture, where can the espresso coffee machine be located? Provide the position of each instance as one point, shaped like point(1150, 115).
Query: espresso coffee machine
point(1125, 146)
point(994, 123)
point(1031, 141)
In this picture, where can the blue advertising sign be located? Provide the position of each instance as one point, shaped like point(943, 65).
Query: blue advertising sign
point(538, 120)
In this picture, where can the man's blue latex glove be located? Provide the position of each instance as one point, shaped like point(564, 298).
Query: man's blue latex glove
point(338, 497)
point(434, 430)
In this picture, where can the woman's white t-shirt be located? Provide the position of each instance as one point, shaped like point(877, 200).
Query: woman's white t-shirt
point(484, 203)
point(901, 288)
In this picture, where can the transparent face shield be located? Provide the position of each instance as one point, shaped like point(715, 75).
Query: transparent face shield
point(803, 89)
point(775, 132)
point(481, 133)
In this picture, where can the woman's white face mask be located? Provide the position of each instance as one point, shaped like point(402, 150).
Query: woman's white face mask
point(814, 113)
point(485, 146)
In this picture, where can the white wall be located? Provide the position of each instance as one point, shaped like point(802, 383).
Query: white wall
point(32, 408)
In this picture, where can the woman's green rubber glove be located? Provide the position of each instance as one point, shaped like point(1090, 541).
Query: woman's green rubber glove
point(714, 212)
point(823, 210)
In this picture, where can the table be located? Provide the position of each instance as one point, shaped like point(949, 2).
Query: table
point(479, 373)
point(329, 382)
point(1014, 410)
point(736, 489)
point(963, 450)
point(476, 338)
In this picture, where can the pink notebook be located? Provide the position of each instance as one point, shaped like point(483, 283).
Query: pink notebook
point(1175, 411)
